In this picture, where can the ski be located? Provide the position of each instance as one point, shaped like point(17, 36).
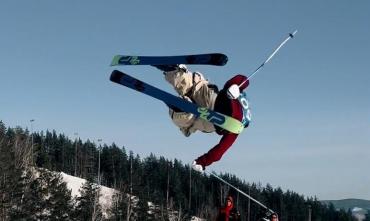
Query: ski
point(204, 59)
point(226, 122)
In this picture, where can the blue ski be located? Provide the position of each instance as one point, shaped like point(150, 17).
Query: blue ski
point(226, 122)
point(206, 59)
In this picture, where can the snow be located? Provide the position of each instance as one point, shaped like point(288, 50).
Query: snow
point(194, 218)
point(106, 194)
point(359, 213)
point(73, 183)
point(357, 209)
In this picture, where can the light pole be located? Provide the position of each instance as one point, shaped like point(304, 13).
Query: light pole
point(99, 178)
point(32, 120)
point(96, 199)
point(76, 134)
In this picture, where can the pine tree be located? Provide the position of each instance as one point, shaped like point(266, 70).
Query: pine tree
point(28, 199)
point(119, 206)
point(58, 200)
point(6, 169)
point(18, 190)
point(367, 216)
point(142, 210)
point(87, 207)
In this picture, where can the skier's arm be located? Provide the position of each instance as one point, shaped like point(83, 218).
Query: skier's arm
point(217, 151)
point(227, 139)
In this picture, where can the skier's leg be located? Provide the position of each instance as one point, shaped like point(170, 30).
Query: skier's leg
point(194, 88)
point(203, 96)
point(182, 120)
point(181, 79)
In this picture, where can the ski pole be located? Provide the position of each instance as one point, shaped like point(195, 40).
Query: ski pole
point(237, 189)
point(291, 35)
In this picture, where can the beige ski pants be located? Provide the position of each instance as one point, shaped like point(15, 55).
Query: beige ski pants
point(193, 88)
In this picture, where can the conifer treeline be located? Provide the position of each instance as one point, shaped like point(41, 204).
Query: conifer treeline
point(169, 185)
point(31, 193)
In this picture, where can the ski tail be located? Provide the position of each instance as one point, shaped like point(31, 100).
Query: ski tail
point(116, 76)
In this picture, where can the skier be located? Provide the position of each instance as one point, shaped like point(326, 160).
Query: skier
point(274, 217)
point(230, 100)
point(267, 215)
point(271, 217)
point(228, 212)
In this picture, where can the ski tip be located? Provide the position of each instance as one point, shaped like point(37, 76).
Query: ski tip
point(115, 60)
point(116, 76)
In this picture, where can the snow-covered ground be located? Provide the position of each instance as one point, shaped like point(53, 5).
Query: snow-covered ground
point(194, 218)
point(106, 194)
point(359, 213)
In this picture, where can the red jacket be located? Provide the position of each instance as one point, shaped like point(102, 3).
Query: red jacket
point(224, 212)
point(229, 107)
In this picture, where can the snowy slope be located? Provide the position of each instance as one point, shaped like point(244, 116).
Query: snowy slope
point(106, 194)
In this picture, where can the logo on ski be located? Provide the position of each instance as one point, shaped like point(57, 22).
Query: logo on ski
point(133, 60)
point(212, 117)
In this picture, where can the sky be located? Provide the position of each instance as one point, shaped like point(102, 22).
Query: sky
point(310, 131)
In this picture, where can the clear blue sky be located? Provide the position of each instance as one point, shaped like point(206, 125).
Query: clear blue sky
point(311, 107)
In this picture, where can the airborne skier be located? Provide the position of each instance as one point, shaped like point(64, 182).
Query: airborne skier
point(202, 106)
point(230, 100)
